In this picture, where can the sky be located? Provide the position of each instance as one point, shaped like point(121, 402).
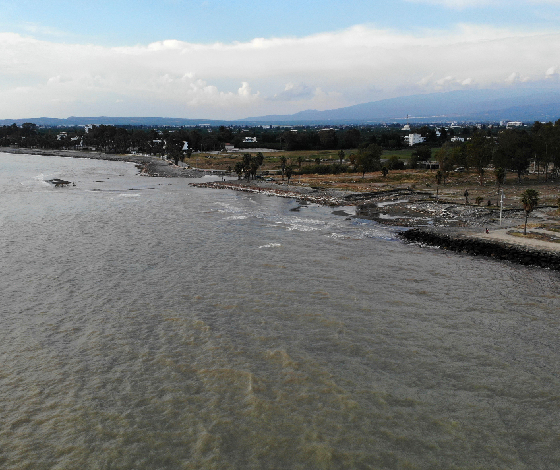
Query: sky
point(213, 59)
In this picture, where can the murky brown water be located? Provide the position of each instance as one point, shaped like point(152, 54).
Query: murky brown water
point(146, 324)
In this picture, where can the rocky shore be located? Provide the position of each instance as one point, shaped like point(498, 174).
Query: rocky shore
point(525, 254)
point(466, 228)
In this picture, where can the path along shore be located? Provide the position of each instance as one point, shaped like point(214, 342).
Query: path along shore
point(459, 227)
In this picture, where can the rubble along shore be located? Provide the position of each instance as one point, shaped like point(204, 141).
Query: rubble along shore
point(497, 249)
point(459, 228)
point(464, 240)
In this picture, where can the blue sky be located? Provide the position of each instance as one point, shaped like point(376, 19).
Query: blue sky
point(214, 59)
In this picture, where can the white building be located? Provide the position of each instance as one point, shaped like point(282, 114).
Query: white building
point(250, 140)
point(413, 139)
point(511, 124)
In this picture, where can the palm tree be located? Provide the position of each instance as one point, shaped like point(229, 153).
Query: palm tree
point(529, 199)
point(283, 161)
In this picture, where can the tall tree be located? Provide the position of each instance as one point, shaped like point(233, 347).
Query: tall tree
point(369, 158)
point(513, 151)
point(529, 200)
point(479, 153)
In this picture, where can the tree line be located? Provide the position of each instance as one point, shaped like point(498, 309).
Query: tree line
point(512, 149)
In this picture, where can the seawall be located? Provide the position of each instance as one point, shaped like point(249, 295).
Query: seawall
point(480, 247)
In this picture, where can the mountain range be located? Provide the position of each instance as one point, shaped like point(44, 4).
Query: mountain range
point(516, 103)
point(512, 104)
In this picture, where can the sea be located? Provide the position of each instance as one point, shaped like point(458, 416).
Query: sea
point(149, 324)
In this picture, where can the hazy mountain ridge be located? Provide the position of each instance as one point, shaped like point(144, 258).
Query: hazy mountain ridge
point(521, 103)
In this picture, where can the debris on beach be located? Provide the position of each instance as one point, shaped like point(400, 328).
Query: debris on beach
point(60, 183)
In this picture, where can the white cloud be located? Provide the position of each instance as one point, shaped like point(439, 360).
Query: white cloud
point(552, 72)
point(262, 76)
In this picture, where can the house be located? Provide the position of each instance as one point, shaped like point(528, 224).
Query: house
point(250, 140)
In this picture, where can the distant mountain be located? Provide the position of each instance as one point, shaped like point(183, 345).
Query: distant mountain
point(525, 102)
point(513, 104)
point(113, 121)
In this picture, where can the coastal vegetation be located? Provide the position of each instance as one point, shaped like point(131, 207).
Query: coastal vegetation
point(484, 161)
point(529, 200)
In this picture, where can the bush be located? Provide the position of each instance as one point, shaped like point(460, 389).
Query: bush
point(395, 164)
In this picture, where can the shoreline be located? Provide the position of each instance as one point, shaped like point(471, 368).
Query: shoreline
point(147, 165)
point(449, 225)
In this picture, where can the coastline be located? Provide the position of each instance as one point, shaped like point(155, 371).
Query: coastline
point(446, 224)
point(147, 165)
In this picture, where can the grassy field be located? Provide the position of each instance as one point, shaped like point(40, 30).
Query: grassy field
point(272, 159)
point(422, 180)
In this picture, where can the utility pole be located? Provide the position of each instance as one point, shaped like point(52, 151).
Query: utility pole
point(501, 204)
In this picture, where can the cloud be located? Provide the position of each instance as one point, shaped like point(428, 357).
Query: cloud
point(293, 92)
point(552, 72)
point(263, 76)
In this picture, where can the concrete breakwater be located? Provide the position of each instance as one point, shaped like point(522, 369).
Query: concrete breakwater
point(481, 247)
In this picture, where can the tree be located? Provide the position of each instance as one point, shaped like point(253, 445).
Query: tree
point(479, 153)
point(513, 151)
point(444, 156)
point(247, 165)
point(289, 172)
point(283, 165)
point(238, 169)
point(174, 147)
point(500, 175)
point(368, 158)
point(423, 153)
point(395, 164)
point(341, 156)
point(384, 171)
point(529, 200)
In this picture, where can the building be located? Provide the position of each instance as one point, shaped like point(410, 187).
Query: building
point(250, 140)
point(511, 124)
point(413, 139)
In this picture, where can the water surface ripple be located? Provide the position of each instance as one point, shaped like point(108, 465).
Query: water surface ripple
point(147, 324)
